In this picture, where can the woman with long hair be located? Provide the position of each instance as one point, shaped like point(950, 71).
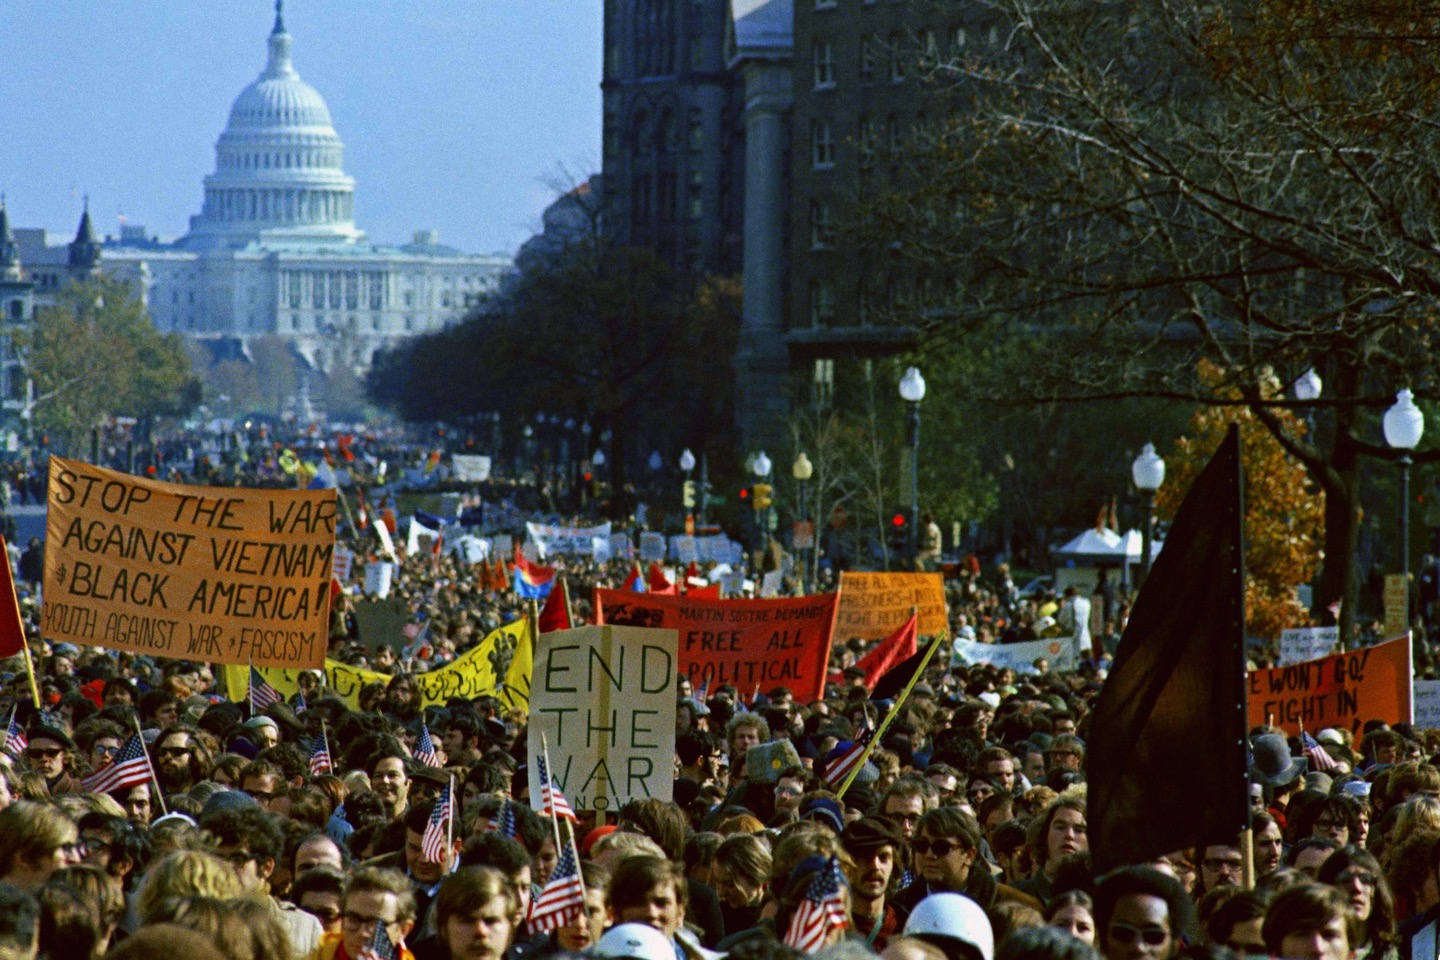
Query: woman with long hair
point(1356, 873)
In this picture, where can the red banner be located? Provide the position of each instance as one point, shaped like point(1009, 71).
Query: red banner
point(748, 643)
point(1340, 691)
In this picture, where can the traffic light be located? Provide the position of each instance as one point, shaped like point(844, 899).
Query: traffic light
point(744, 493)
point(763, 498)
point(688, 498)
point(898, 520)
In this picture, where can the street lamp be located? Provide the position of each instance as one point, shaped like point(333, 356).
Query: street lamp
point(912, 391)
point(1148, 472)
point(761, 465)
point(802, 470)
point(1404, 424)
point(687, 462)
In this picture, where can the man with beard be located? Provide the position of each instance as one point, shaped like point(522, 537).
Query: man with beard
point(876, 846)
point(181, 758)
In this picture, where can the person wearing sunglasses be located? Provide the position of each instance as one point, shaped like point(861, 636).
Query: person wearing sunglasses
point(1142, 914)
point(947, 858)
point(51, 754)
point(1356, 873)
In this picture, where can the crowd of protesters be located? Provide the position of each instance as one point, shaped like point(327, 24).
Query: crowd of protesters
point(962, 837)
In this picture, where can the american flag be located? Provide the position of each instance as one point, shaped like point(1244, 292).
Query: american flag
point(425, 750)
point(437, 831)
point(841, 766)
point(300, 706)
point(262, 694)
point(320, 759)
point(15, 739)
point(562, 899)
point(1319, 759)
point(380, 946)
point(130, 768)
point(703, 694)
point(503, 822)
point(552, 802)
point(822, 910)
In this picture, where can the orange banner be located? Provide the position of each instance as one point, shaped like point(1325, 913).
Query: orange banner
point(875, 605)
point(221, 574)
point(1343, 690)
point(783, 642)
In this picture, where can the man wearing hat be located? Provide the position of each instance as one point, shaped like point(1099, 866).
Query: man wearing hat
point(876, 847)
point(1275, 768)
point(51, 754)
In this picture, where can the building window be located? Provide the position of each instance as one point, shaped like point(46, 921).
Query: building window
point(824, 64)
point(823, 382)
point(869, 138)
point(957, 41)
point(897, 59)
point(822, 304)
point(868, 43)
point(822, 145)
point(929, 50)
point(697, 130)
point(894, 138)
point(821, 233)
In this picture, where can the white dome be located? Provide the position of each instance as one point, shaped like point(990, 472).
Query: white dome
point(278, 171)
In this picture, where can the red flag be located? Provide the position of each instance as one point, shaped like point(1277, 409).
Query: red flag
point(894, 649)
point(710, 592)
point(556, 614)
point(657, 582)
point(632, 581)
point(12, 629)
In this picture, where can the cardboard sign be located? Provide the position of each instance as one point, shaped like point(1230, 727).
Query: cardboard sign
point(1062, 652)
point(770, 643)
point(504, 652)
point(1427, 704)
point(382, 622)
point(577, 541)
point(1307, 643)
point(604, 699)
point(652, 547)
point(1339, 691)
point(874, 605)
point(221, 574)
point(1397, 602)
point(469, 468)
point(343, 563)
point(378, 577)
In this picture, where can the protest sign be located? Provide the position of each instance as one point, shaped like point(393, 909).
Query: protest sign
point(227, 575)
point(343, 563)
point(1427, 704)
point(381, 622)
point(469, 468)
point(502, 546)
point(781, 642)
point(683, 549)
point(1307, 643)
point(470, 548)
point(387, 542)
point(572, 540)
point(620, 546)
point(472, 675)
point(378, 577)
point(600, 549)
point(1336, 691)
point(874, 605)
point(1397, 602)
point(1062, 652)
point(604, 699)
point(770, 584)
point(652, 547)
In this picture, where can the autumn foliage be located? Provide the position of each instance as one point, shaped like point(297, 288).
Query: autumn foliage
point(1284, 513)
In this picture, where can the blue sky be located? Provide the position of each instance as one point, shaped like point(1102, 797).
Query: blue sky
point(457, 115)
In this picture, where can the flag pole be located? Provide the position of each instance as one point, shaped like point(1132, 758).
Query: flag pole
point(579, 873)
point(325, 739)
point(20, 621)
point(545, 795)
point(894, 712)
point(154, 778)
point(569, 610)
point(450, 819)
point(250, 685)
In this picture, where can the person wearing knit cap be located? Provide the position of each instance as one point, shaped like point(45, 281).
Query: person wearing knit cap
point(877, 848)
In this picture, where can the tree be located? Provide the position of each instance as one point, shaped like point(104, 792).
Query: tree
point(94, 354)
point(1143, 186)
point(1283, 515)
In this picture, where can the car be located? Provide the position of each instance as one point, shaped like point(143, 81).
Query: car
point(1036, 587)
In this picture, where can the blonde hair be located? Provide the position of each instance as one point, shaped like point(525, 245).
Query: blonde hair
point(30, 831)
point(242, 929)
point(626, 844)
point(739, 824)
point(185, 873)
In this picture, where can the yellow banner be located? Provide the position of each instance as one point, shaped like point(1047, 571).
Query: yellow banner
point(470, 676)
point(220, 574)
point(875, 605)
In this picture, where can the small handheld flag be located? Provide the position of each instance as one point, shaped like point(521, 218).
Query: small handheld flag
point(1319, 758)
point(437, 832)
point(130, 768)
point(379, 946)
point(320, 759)
point(262, 694)
point(15, 739)
point(552, 800)
point(503, 822)
point(562, 899)
point(425, 750)
point(822, 910)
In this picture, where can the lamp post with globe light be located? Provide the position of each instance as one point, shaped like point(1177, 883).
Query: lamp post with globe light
point(763, 491)
point(912, 391)
point(1148, 472)
point(802, 470)
point(1404, 424)
point(687, 466)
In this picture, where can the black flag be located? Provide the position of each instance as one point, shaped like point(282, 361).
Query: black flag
point(1166, 765)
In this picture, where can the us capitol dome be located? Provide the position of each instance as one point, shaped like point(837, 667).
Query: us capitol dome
point(275, 250)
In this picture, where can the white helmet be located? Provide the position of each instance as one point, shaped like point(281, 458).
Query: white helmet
point(955, 916)
point(636, 941)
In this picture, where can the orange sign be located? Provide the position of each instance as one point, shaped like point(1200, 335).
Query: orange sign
point(220, 574)
point(1343, 690)
point(875, 605)
point(783, 642)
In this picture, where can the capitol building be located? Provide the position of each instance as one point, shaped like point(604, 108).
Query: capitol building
point(275, 250)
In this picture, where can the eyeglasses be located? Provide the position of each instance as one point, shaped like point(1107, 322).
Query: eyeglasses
point(941, 848)
point(357, 921)
point(105, 750)
point(74, 847)
point(172, 751)
point(1331, 825)
point(42, 753)
point(1123, 933)
point(788, 792)
point(1365, 877)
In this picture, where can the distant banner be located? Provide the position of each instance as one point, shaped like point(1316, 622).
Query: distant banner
point(1427, 704)
point(748, 643)
point(1062, 652)
point(1371, 683)
point(221, 574)
point(652, 547)
point(342, 564)
point(604, 700)
point(875, 605)
point(1307, 643)
point(470, 468)
point(472, 675)
point(571, 540)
